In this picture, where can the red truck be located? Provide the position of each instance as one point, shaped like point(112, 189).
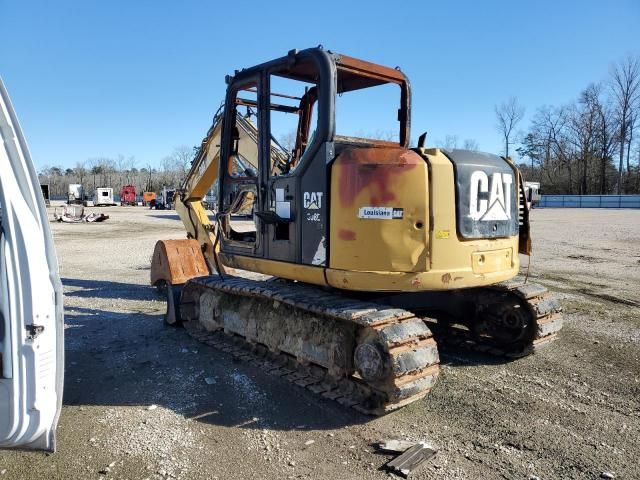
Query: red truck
point(128, 195)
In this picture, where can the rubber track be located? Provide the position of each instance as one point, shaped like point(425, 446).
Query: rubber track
point(545, 311)
point(408, 342)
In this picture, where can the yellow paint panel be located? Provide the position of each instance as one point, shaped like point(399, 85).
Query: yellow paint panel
point(414, 281)
point(491, 261)
point(291, 271)
point(379, 218)
point(450, 262)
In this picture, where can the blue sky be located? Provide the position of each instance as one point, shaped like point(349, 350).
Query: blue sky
point(138, 78)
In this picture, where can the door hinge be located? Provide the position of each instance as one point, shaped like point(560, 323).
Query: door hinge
point(34, 331)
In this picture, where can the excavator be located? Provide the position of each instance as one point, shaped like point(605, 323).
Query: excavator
point(341, 263)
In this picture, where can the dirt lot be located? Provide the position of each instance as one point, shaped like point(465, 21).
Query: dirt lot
point(137, 405)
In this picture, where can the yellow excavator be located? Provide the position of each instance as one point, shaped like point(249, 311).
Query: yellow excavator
point(341, 263)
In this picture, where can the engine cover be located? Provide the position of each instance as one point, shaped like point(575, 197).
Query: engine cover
point(486, 195)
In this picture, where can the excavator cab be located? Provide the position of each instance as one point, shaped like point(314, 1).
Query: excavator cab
point(327, 196)
point(290, 210)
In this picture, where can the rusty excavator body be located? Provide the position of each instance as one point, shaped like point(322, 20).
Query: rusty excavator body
point(341, 263)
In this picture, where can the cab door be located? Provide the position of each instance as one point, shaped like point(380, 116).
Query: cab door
point(31, 317)
point(240, 181)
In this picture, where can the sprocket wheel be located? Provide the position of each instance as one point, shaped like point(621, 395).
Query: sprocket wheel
point(504, 323)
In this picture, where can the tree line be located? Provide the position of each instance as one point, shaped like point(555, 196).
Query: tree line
point(590, 145)
point(117, 172)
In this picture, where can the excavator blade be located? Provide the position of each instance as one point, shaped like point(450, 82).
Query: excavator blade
point(177, 261)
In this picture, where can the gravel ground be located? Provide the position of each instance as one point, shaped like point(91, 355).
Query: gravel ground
point(146, 401)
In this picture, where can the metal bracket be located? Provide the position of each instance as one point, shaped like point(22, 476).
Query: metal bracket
point(34, 331)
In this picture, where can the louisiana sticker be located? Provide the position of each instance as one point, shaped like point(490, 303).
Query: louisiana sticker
point(381, 213)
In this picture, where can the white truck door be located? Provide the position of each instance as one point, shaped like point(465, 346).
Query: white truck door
point(31, 317)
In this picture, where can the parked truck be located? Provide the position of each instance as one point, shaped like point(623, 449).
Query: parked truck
point(45, 193)
point(149, 199)
point(532, 193)
point(103, 197)
point(165, 200)
point(75, 194)
point(128, 195)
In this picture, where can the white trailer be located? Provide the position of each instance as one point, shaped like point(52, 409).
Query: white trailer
point(31, 316)
point(532, 192)
point(103, 197)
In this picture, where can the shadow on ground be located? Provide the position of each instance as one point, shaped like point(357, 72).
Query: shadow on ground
point(134, 359)
point(166, 217)
point(107, 289)
point(456, 357)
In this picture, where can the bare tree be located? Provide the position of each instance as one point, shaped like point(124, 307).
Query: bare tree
point(470, 144)
point(121, 166)
point(95, 169)
point(119, 171)
point(109, 168)
point(547, 145)
point(183, 155)
point(606, 142)
point(508, 114)
point(168, 174)
point(571, 148)
point(81, 172)
point(288, 141)
point(633, 120)
point(450, 142)
point(582, 133)
point(148, 174)
point(625, 84)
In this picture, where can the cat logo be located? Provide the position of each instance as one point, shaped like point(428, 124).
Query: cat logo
point(498, 206)
point(312, 200)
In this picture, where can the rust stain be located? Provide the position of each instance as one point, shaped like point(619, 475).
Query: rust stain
point(446, 278)
point(373, 169)
point(385, 197)
point(416, 282)
point(365, 68)
point(347, 235)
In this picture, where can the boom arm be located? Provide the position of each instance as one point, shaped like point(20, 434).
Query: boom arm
point(204, 172)
point(205, 168)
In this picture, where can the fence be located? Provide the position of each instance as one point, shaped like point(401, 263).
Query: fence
point(589, 201)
